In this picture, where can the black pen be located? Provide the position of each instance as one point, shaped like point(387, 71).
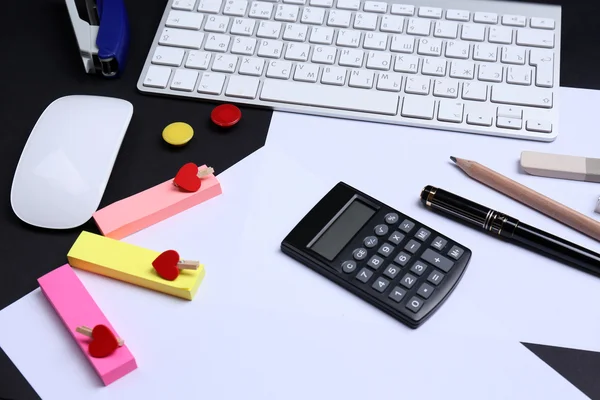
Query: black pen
point(510, 228)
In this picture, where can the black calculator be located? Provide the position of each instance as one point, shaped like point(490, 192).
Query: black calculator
point(387, 258)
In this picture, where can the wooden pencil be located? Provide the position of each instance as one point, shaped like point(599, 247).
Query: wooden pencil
point(530, 197)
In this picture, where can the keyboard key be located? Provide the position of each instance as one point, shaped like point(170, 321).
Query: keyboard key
point(339, 18)
point(434, 66)
point(500, 34)
point(414, 304)
point(396, 237)
point(185, 80)
point(375, 6)
point(297, 52)
point(375, 262)
point(510, 112)
point(168, 56)
point(365, 21)
point(403, 9)
point(457, 49)
point(425, 290)
point(542, 23)
point(362, 79)
point(243, 45)
point(445, 29)
point(379, 60)
point(252, 66)
point(514, 20)
point(270, 48)
point(269, 30)
point(451, 111)
point(157, 77)
point(210, 6)
point(376, 41)
point(243, 87)
point(350, 57)
point(243, 26)
point(342, 98)
point(522, 96)
point(181, 38)
point(184, 19)
point(446, 88)
point(490, 72)
point(324, 54)
point(518, 75)
point(380, 284)
point(430, 12)
point(261, 9)
point(235, 7)
point(418, 26)
point(458, 15)
point(211, 83)
point(397, 294)
point(509, 123)
point(480, 118)
point(348, 266)
point(475, 32)
point(408, 281)
point(390, 82)
point(418, 268)
point(216, 23)
point(538, 126)
point(485, 52)
point(485, 18)
point(402, 44)
point(334, 76)
point(430, 47)
point(391, 23)
point(437, 260)
point(513, 55)
point(295, 32)
point(198, 59)
point(364, 275)
point(288, 13)
point(391, 271)
point(417, 85)
point(543, 60)
point(535, 37)
point(313, 15)
point(348, 4)
point(217, 42)
point(418, 107)
point(462, 69)
point(321, 3)
point(187, 5)
point(306, 73)
point(435, 277)
point(475, 91)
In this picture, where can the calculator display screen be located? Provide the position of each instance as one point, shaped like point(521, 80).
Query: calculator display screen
point(342, 229)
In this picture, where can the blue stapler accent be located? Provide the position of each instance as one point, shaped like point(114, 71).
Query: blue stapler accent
point(104, 42)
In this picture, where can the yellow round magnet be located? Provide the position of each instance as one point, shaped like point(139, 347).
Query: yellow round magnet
point(178, 133)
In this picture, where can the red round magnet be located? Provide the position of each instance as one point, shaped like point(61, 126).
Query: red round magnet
point(226, 115)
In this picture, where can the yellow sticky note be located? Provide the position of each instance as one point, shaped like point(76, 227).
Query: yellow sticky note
point(129, 263)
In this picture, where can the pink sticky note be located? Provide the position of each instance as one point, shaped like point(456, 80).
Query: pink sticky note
point(76, 307)
point(151, 206)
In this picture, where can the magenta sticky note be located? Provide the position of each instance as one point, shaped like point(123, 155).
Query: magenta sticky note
point(76, 307)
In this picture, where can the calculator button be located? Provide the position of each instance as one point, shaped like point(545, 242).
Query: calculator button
point(412, 246)
point(425, 290)
point(380, 284)
point(423, 234)
point(438, 260)
point(359, 254)
point(435, 277)
point(408, 281)
point(364, 275)
point(418, 268)
point(348, 266)
point(386, 250)
point(397, 294)
point(455, 252)
point(391, 271)
point(414, 304)
point(402, 258)
point(375, 262)
point(396, 237)
point(439, 243)
point(407, 225)
point(381, 230)
point(391, 218)
point(370, 242)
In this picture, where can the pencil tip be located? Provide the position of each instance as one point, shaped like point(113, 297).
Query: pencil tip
point(453, 159)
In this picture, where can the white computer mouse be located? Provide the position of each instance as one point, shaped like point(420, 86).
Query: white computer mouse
point(67, 160)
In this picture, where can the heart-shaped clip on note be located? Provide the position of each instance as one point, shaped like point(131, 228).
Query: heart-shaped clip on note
point(104, 342)
point(189, 177)
point(168, 264)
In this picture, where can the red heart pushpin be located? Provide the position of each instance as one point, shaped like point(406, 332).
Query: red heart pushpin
point(168, 264)
point(188, 177)
point(104, 342)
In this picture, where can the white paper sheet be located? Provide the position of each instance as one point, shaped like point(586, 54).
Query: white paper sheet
point(263, 326)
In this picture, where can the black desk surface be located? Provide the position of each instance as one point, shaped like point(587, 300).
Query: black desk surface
point(40, 63)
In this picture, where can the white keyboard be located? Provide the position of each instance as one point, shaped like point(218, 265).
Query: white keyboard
point(483, 67)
